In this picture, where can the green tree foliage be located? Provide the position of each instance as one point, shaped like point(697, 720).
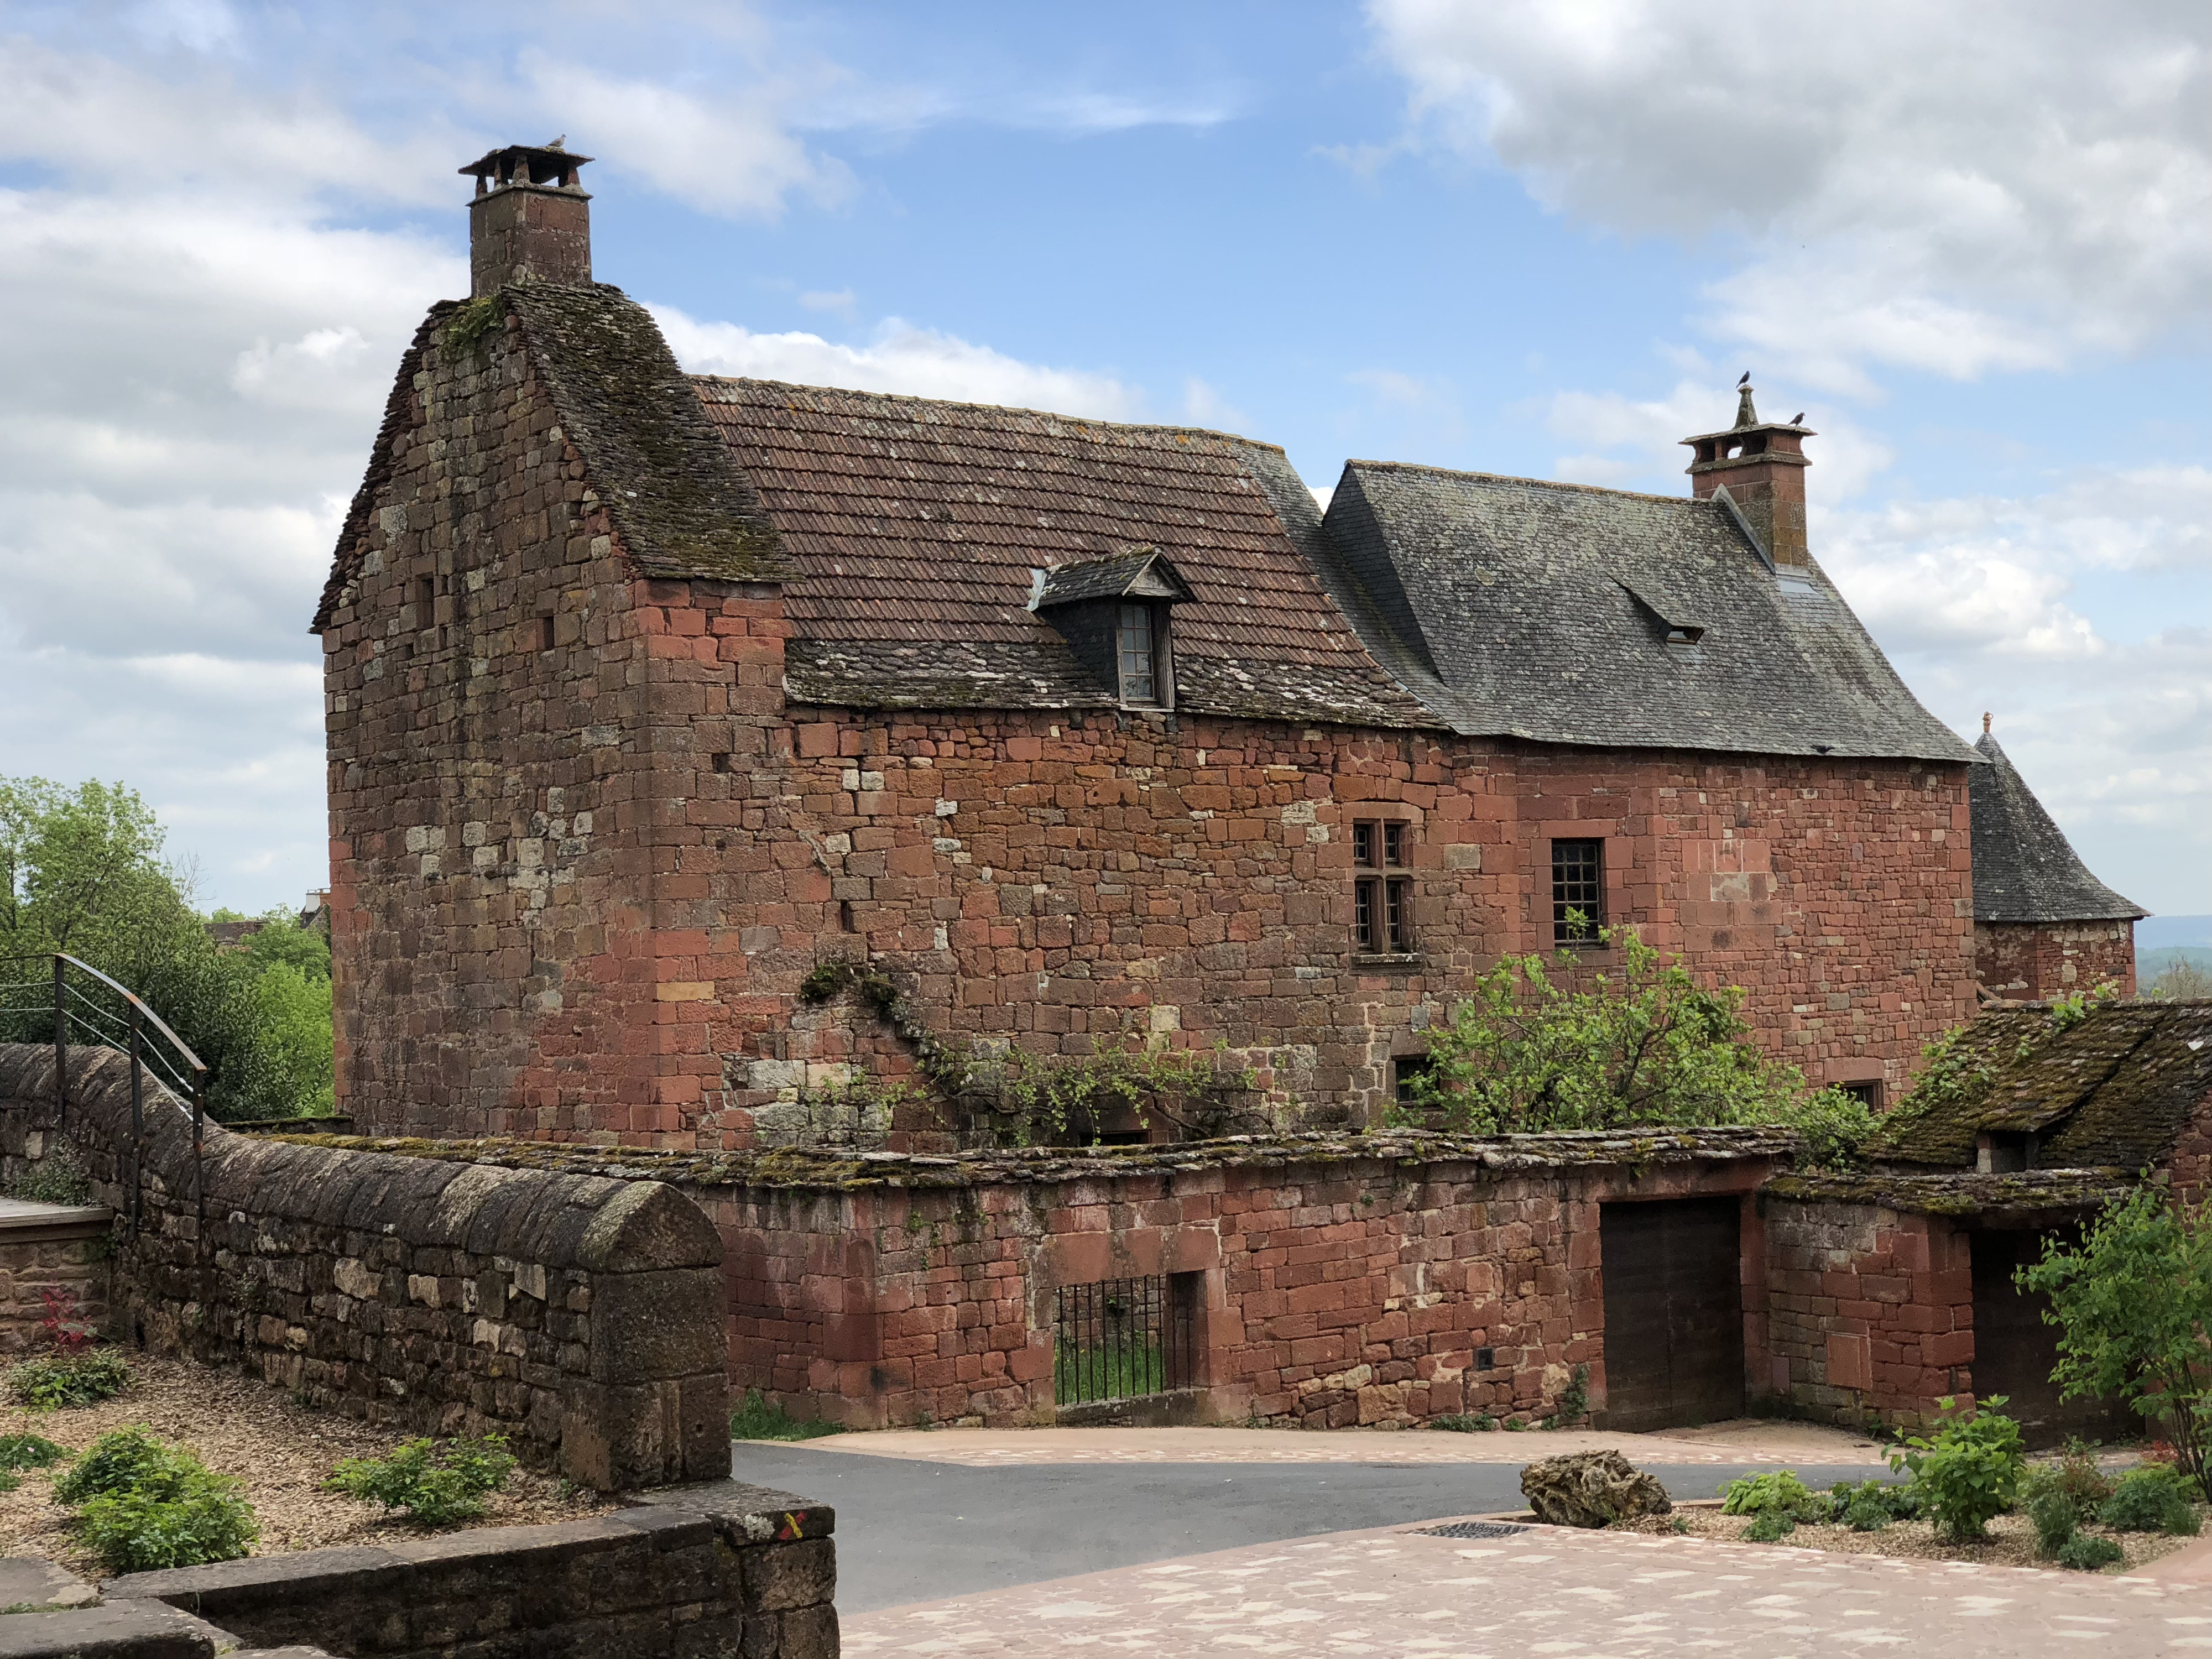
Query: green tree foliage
point(2133, 1304)
point(1640, 1044)
point(81, 870)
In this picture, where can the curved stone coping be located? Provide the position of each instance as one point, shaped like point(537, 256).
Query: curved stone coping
point(23, 1221)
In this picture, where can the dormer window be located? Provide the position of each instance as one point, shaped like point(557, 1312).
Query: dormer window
point(1112, 612)
point(1140, 675)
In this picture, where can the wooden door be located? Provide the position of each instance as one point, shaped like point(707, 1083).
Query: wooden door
point(2015, 1351)
point(1674, 1312)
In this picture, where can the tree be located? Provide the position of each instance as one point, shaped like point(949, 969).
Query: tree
point(81, 871)
point(2133, 1305)
point(1645, 1045)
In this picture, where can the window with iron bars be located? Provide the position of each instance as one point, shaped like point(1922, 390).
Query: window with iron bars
point(1382, 901)
point(1120, 1339)
point(1577, 891)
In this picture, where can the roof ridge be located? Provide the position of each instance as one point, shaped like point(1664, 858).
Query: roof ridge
point(1542, 483)
point(994, 408)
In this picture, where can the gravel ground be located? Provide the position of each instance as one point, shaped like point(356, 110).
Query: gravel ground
point(2012, 1539)
point(281, 1451)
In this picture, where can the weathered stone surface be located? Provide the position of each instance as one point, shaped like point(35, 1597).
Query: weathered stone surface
point(27, 1582)
point(1591, 1489)
point(119, 1630)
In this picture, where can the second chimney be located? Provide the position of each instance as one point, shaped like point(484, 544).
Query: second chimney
point(1762, 464)
point(530, 220)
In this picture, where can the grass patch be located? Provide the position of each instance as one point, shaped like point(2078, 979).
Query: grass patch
point(760, 1418)
point(1108, 1370)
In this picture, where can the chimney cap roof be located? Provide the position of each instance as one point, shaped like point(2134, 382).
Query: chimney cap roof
point(544, 165)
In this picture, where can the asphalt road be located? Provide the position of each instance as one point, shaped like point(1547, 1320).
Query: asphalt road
point(918, 1531)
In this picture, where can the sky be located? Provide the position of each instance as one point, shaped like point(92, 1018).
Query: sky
point(1973, 243)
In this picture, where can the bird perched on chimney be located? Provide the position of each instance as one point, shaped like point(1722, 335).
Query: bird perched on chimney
point(1746, 379)
point(1797, 418)
point(558, 144)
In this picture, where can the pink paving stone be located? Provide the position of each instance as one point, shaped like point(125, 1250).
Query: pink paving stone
point(1393, 1593)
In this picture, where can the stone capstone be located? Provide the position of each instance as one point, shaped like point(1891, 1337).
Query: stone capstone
point(1591, 1489)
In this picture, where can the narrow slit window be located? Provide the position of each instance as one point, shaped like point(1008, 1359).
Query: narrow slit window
point(1140, 658)
point(1577, 891)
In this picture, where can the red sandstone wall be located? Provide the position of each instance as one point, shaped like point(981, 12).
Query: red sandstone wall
point(576, 886)
point(2033, 962)
point(1871, 1312)
point(1332, 1295)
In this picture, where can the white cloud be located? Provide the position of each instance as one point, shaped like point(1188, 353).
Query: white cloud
point(900, 357)
point(1846, 457)
point(1986, 186)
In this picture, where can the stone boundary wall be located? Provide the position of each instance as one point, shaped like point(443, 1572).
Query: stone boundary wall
point(725, 1569)
point(1870, 1311)
point(51, 1247)
point(1343, 1278)
point(579, 1314)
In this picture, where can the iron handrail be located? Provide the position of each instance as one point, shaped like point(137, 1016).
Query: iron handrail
point(139, 1016)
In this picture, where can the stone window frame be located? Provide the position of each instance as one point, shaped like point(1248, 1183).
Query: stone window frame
point(1383, 889)
point(1584, 891)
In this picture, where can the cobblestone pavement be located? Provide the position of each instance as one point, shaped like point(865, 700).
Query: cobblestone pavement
point(1734, 1443)
point(1396, 1594)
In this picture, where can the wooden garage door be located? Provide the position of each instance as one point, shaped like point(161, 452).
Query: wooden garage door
point(2015, 1351)
point(1674, 1312)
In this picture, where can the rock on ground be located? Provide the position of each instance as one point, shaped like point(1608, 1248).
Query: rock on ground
point(1591, 1489)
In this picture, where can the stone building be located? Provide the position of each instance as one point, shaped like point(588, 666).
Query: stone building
point(698, 744)
point(2044, 927)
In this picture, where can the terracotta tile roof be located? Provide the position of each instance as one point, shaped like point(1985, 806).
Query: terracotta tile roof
point(916, 525)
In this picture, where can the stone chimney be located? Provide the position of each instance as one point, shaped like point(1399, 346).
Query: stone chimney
point(530, 220)
point(1761, 465)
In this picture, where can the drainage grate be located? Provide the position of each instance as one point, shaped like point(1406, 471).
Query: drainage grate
point(1473, 1529)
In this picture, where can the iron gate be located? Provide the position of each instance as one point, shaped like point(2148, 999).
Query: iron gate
point(1123, 1337)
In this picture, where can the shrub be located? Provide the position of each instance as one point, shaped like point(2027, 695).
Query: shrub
point(66, 1327)
point(1871, 1505)
point(1768, 1525)
point(1464, 1422)
point(760, 1418)
point(1777, 1493)
point(2086, 1552)
point(432, 1487)
point(2152, 1498)
point(143, 1504)
point(1968, 1470)
point(50, 1382)
point(29, 1451)
point(188, 1517)
point(2052, 1512)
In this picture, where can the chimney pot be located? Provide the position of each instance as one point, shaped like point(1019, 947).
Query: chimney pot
point(530, 220)
point(1762, 465)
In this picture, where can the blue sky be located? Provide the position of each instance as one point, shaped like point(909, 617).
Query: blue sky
point(1973, 245)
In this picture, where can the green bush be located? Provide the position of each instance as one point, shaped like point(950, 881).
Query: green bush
point(1768, 1525)
point(188, 1517)
point(1780, 1491)
point(760, 1419)
point(29, 1451)
point(1871, 1505)
point(1968, 1470)
point(432, 1487)
point(2052, 1512)
point(2152, 1498)
point(1463, 1422)
point(2086, 1552)
point(142, 1505)
point(52, 1381)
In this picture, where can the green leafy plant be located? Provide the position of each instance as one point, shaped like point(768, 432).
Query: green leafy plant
point(59, 1177)
point(2085, 1552)
point(763, 1419)
point(2051, 1513)
point(144, 1504)
point(2132, 1301)
point(2151, 1497)
point(1776, 1492)
point(1968, 1470)
point(1573, 1403)
point(1871, 1505)
point(51, 1382)
point(30, 1451)
point(1768, 1525)
point(1463, 1422)
point(1640, 1043)
point(431, 1485)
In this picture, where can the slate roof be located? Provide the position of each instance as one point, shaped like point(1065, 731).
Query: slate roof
point(2111, 1092)
point(1515, 607)
point(2025, 870)
point(1111, 578)
point(915, 525)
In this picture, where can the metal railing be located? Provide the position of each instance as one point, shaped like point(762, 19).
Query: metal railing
point(1122, 1339)
point(90, 1010)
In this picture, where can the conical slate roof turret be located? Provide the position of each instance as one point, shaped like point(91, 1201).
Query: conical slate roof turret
point(2024, 868)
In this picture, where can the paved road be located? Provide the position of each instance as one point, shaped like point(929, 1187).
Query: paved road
point(909, 1531)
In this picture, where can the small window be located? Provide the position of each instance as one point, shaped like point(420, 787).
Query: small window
point(1868, 1094)
point(1141, 679)
point(1407, 1071)
point(1382, 903)
point(1577, 891)
point(541, 633)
